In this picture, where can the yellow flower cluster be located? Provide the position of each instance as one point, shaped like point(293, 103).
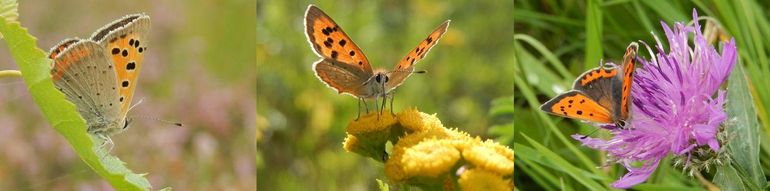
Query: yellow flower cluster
point(427, 154)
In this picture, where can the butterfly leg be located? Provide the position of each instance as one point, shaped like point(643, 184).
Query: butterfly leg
point(384, 99)
point(392, 96)
point(107, 140)
point(376, 107)
point(358, 114)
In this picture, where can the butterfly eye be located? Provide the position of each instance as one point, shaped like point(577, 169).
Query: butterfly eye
point(378, 78)
point(620, 124)
point(125, 124)
point(386, 79)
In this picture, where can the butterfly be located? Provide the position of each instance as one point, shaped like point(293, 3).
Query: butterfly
point(600, 95)
point(99, 74)
point(344, 67)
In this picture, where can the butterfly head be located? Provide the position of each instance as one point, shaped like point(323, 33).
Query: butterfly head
point(620, 124)
point(381, 78)
point(106, 127)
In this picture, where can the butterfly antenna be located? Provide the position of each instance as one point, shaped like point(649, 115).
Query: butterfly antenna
point(153, 118)
point(649, 50)
point(592, 132)
point(136, 104)
point(403, 70)
point(601, 62)
point(178, 124)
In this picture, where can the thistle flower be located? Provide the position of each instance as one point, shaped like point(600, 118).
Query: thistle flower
point(677, 104)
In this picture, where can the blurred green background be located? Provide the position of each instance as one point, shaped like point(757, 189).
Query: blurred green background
point(199, 71)
point(302, 122)
point(557, 40)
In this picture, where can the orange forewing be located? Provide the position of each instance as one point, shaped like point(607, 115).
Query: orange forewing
point(629, 60)
point(58, 69)
point(405, 66)
point(599, 73)
point(127, 52)
point(422, 49)
point(329, 41)
point(574, 104)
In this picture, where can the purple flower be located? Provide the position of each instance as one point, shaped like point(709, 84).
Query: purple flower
point(677, 104)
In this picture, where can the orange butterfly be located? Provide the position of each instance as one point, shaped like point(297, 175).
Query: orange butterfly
point(599, 95)
point(344, 67)
point(99, 74)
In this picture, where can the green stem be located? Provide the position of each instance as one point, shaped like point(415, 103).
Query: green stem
point(10, 74)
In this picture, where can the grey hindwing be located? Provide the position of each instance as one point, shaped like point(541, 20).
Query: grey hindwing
point(605, 91)
point(89, 82)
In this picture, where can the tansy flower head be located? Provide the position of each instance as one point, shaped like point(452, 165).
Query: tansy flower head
point(414, 120)
point(427, 154)
point(674, 108)
point(486, 156)
point(430, 158)
point(372, 122)
point(479, 179)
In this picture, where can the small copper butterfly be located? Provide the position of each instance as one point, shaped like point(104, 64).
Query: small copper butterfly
point(600, 95)
point(344, 67)
point(99, 74)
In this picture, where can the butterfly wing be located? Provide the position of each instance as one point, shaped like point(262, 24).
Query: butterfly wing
point(405, 67)
point(329, 41)
point(629, 64)
point(577, 105)
point(83, 71)
point(125, 40)
point(339, 76)
point(601, 85)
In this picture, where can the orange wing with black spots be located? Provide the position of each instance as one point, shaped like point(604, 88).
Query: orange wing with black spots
point(593, 75)
point(629, 64)
point(604, 93)
point(329, 41)
point(57, 70)
point(126, 41)
point(574, 104)
point(405, 66)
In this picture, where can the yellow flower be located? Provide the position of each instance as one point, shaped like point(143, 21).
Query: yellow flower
point(461, 140)
point(372, 122)
point(393, 169)
point(429, 158)
point(478, 179)
point(412, 139)
point(371, 133)
point(426, 154)
point(487, 157)
point(414, 120)
point(500, 149)
point(351, 143)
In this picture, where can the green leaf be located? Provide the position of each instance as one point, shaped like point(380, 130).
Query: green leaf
point(594, 31)
point(559, 163)
point(727, 178)
point(9, 10)
point(382, 185)
point(60, 113)
point(744, 148)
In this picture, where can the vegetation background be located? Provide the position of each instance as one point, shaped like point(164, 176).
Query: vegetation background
point(573, 35)
point(302, 122)
point(198, 71)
